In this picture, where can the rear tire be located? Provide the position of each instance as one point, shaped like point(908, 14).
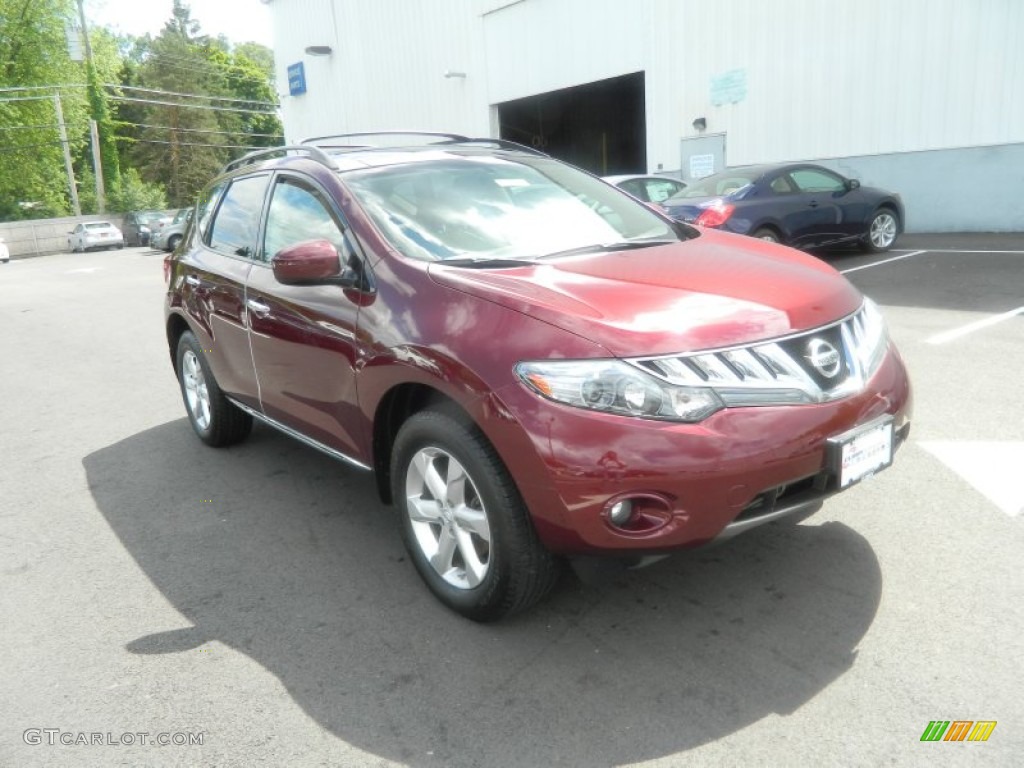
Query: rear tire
point(216, 420)
point(466, 527)
point(172, 243)
point(768, 234)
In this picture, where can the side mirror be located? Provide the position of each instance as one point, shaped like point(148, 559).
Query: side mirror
point(852, 184)
point(312, 262)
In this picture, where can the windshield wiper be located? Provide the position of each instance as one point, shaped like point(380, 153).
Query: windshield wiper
point(626, 245)
point(485, 262)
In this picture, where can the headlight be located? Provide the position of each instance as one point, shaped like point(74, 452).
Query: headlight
point(870, 337)
point(612, 386)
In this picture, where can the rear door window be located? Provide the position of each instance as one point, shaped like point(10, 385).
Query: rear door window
point(235, 226)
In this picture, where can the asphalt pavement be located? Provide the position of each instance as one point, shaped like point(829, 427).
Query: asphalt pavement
point(258, 599)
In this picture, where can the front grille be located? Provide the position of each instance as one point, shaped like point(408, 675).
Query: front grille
point(816, 366)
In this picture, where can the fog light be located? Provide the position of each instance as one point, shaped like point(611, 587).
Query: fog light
point(620, 512)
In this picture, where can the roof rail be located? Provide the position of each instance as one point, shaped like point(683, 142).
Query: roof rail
point(319, 140)
point(315, 153)
point(326, 142)
point(500, 144)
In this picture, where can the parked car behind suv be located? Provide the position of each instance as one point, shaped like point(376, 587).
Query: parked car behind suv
point(803, 205)
point(140, 225)
point(170, 234)
point(535, 365)
point(94, 234)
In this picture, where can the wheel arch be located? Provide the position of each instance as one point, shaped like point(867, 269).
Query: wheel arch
point(176, 326)
point(398, 404)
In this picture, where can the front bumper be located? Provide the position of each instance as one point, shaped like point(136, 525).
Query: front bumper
point(737, 469)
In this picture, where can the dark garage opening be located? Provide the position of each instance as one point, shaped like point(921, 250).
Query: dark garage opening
point(599, 126)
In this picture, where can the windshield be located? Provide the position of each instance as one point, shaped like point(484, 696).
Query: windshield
point(719, 185)
point(487, 207)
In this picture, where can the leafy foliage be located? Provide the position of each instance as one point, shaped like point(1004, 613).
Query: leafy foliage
point(152, 144)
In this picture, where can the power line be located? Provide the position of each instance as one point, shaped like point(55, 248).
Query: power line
point(191, 95)
point(190, 106)
point(43, 87)
point(224, 70)
point(201, 130)
point(26, 147)
point(39, 125)
point(185, 143)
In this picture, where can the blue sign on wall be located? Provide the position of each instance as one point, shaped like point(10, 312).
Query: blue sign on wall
point(296, 79)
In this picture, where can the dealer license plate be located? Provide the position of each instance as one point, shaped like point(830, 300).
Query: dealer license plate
point(861, 452)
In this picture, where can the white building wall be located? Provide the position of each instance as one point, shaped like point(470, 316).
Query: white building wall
point(835, 80)
point(387, 69)
point(838, 78)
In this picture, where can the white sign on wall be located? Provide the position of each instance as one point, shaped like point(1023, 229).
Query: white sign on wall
point(701, 166)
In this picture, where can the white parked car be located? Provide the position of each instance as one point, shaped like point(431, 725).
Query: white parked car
point(648, 189)
point(5, 254)
point(95, 234)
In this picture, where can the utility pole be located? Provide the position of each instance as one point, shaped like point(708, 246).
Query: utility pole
point(85, 34)
point(67, 154)
point(97, 168)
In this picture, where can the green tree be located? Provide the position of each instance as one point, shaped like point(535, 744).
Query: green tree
point(33, 54)
point(181, 142)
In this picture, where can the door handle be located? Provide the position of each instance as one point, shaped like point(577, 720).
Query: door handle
point(258, 307)
point(813, 204)
point(193, 281)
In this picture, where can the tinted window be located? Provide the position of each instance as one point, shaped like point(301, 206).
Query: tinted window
point(725, 183)
point(635, 187)
point(299, 212)
point(235, 225)
point(811, 180)
point(659, 190)
point(207, 205)
point(782, 186)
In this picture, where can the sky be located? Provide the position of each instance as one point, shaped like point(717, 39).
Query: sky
point(240, 21)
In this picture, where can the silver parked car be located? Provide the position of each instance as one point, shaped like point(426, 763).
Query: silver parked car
point(169, 235)
point(5, 254)
point(94, 234)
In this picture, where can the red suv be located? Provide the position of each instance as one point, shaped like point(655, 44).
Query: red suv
point(535, 365)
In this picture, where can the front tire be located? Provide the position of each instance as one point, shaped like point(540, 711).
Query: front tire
point(464, 523)
point(216, 420)
point(882, 230)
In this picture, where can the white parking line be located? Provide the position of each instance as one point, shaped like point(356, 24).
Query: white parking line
point(993, 468)
point(883, 261)
point(967, 250)
point(977, 325)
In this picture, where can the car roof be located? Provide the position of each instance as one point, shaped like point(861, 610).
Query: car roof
point(631, 176)
point(340, 154)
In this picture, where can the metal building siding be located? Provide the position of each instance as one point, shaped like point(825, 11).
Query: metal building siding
point(849, 77)
point(539, 46)
point(825, 78)
point(387, 68)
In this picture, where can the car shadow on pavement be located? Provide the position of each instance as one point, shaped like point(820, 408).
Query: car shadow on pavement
point(287, 556)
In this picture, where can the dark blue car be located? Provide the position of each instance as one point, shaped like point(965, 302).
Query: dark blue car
point(798, 204)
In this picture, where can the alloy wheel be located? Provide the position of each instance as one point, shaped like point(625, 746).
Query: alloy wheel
point(883, 230)
point(196, 391)
point(448, 519)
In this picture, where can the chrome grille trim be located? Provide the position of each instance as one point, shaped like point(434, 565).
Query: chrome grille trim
point(772, 372)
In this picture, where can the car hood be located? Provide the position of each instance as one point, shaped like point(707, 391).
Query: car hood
point(713, 291)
